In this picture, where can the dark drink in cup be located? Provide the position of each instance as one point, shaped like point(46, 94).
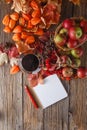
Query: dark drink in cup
point(30, 62)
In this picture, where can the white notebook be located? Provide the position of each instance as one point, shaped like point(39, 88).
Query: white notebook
point(50, 92)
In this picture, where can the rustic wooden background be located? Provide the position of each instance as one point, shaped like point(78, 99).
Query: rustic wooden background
point(16, 110)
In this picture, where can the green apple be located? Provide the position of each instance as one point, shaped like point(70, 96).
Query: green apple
point(78, 52)
point(77, 63)
point(63, 31)
point(75, 33)
point(59, 40)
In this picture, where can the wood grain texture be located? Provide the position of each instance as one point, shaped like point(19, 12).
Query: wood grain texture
point(33, 119)
point(16, 109)
point(10, 88)
point(78, 88)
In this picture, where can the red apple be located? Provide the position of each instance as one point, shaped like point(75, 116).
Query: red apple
point(81, 72)
point(78, 52)
point(67, 23)
point(72, 43)
point(75, 33)
point(83, 24)
point(83, 39)
point(67, 72)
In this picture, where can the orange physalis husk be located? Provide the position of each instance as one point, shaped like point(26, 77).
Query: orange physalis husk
point(15, 16)
point(24, 35)
point(34, 29)
point(26, 16)
point(14, 69)
point(16, 37)
point(36, 13)
point(22, 21)
point(35, 21)
point(12, 23)
point(7, 29)
point(31, 30)
point(29, 25)
point(6, 20)
point(34, 5)
point(30, 40)
point(39, 32)
point(17, 29)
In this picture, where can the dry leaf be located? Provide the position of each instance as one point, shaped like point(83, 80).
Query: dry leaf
point(21, 6)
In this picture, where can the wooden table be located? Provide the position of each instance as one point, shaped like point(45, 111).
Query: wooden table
point(17, 111)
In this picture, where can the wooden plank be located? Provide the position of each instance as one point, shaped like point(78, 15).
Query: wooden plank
point(56, 116)
point(10, 100)
point(67, 9)
point(33, 118)
point(17, 111)
point(10, 88)
point(78, 88)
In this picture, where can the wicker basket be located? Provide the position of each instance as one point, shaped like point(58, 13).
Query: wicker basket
point(65, 48)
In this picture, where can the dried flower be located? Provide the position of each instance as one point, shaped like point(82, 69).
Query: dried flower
point(14, 61)
point(3, 58)
point(21, 6)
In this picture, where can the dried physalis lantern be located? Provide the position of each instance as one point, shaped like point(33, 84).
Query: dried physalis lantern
point(57, 2)
point(21, 6)
point(8, 1)
point(76, 2)
point(23, 48)
point(51, 12)
point(42, 2)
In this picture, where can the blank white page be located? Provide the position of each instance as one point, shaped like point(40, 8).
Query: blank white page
point(51, 91)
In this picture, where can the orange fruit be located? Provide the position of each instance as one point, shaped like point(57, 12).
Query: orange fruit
point(30, 40)
point(6, 20)
point(29, 25)
point(14, 16)
point(22, 21)
point(34, 5)
point(26, 16)
point(39, 32)
point(35, 21)
point(16, 37)
point(36, 13)
point(12, 23)
point(7, 29)
point(24, 35)
point(17, 29)
point(14, 69)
